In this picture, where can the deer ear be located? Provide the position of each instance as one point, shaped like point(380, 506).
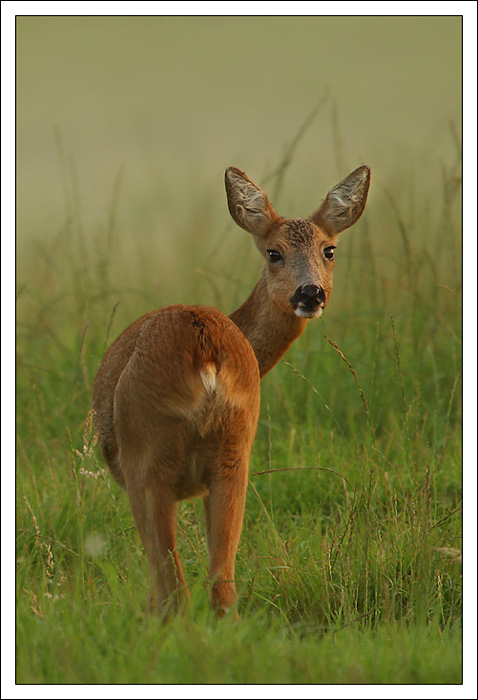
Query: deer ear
point(248, 204)
point(345, 203)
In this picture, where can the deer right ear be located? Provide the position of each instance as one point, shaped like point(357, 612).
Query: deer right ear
point(248, 204)
point(345, 203)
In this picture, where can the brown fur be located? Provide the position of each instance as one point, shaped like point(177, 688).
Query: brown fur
point(176, 398)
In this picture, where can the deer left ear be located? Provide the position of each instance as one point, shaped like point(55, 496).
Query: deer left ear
point(345, 203)
point(248, 204)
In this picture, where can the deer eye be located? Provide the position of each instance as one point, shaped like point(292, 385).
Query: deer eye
point(274, 256)
point(329, 252)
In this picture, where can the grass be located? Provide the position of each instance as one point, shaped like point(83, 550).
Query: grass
point(349, 564)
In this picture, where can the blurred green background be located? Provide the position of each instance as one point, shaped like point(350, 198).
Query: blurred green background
point(182, 98)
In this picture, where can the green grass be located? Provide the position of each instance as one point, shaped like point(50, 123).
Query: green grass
point(349, 563)
point(117, 646)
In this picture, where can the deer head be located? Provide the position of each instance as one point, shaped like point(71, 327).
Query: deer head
point(299, 253)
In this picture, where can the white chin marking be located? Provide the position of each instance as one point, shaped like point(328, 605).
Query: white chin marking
point(305, 313)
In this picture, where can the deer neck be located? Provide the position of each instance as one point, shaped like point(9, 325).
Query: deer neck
point(269, 330)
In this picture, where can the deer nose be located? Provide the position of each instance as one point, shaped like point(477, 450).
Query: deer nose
point(309, 295)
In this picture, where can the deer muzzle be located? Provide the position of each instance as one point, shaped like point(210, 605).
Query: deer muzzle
point(308, 300)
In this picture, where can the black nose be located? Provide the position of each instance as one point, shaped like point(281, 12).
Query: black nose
point(308, 295)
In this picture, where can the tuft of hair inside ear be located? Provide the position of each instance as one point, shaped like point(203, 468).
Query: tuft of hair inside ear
point(255, 204)
point(340, 201)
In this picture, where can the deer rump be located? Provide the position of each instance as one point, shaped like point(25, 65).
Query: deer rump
point(170, 386)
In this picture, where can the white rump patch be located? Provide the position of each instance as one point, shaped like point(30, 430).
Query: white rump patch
point(208, 376)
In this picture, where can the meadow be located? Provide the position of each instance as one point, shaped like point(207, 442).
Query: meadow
point(349, 567)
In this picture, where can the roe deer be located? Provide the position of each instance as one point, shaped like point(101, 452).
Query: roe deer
point(176, 398)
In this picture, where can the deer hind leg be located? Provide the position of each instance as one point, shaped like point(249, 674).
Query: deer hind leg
point(224, 507)
point(154, 510)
